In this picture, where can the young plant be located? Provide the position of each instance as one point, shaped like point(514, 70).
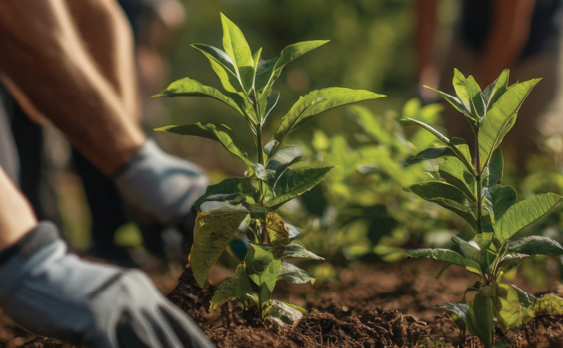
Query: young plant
point(471, 188)
point(248, 205)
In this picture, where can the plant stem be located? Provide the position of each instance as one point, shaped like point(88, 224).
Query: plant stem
point(479, 183)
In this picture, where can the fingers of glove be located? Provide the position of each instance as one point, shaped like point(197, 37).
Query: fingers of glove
point(162, 330)
point(130, 333)
point(185, 328)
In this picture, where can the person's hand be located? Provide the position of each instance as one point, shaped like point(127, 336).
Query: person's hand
point(160, 189)
point(52, 293)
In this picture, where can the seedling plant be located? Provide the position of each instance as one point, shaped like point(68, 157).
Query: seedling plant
point(471, 187)
point(247, 207)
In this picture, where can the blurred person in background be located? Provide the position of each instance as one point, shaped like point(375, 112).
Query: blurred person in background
point(490, 36)
point(153, 23)
point(70, 63)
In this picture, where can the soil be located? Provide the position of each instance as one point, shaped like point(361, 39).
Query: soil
point(388, 305)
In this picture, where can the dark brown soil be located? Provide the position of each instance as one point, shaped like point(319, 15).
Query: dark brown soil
point(372, 306)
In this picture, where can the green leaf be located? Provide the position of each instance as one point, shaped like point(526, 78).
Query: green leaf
point(458, 312)
point(223, 67)
point(431, 153)
point(535, 245)
point(454, 101)
point(269, 73)
point(218, 132)
point(481, 310)
point(469, 93)
point(454, 172)
point(187, 87)
point(457, 147)
point(270, 104)
point(261, 265)
point(235, 44)
point(461, 145)
point(509, 262)
point(293, 274)
point(316, 102)
point(263, 74)
point(508, 308)
point(212, 233)
point(296, 250)
point(498, 199)
point(473, 251)
point(501, 117)
point(447, 196)
point(281, 313)
point(277, 230)
point(233, 190)
point(296, 182)
point(444, 255)
point(495, 90)
point(524, 213)
point(526, 300)
point(282, 159)
point(496, 167)
point(429, 128)
point(234, 288)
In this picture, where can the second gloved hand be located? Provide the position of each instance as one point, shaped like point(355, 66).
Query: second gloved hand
point(160, 186)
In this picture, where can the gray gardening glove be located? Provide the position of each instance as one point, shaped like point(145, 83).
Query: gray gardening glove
point(160, 189)
point(52, 293)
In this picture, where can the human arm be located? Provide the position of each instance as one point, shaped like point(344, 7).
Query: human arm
point(510, 29)
point(50, 67)
point(426, 71)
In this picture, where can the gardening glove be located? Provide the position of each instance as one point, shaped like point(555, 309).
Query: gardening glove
point(56, 294)
point(160, 189)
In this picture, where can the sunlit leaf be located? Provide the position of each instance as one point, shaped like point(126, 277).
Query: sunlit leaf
point(500, 118)
point(217, 132)
point(454, 172)
point(444, 255)
point(524, 213)
point(293, 274)
point(187, 87)
point(236, 47)
point(223, 67)
point(535, 245)
point(316, 102)
point(296, 250)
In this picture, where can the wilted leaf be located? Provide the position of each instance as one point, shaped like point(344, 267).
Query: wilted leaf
point(212, 233)
point(277, 231)
point(281, 313)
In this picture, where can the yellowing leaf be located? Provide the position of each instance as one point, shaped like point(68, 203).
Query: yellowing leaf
point(212, 233)
point(277, 231)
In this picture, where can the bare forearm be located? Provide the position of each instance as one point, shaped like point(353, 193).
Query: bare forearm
point(16, 216)
point(50, 65)
point(508, 36)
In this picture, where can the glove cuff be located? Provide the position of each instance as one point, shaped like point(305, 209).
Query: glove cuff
point(148, 149)
point(44, 234)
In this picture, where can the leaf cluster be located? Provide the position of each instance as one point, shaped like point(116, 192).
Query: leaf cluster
point(247, 207)
point(471, 187)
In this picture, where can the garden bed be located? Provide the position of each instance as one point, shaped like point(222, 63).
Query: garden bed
point(388, 305)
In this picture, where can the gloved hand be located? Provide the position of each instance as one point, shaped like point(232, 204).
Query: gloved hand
point(56, 294)
point(161, 190)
